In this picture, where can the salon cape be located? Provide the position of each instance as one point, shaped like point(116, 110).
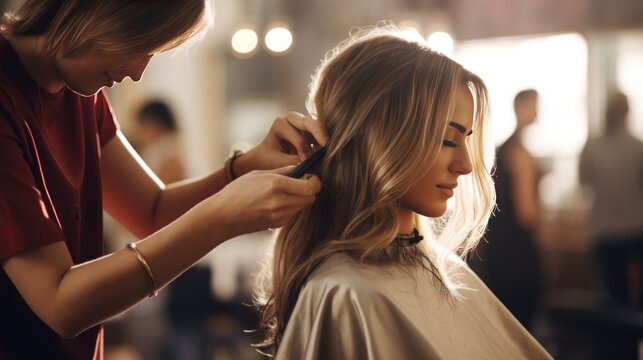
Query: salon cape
point(354, 311)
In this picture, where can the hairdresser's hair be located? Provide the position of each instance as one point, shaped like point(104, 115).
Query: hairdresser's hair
point(133, 26)
point(386, 102)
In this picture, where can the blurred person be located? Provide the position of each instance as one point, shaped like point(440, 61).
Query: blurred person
point(158, 142)
point(508, 260)
point(360, 273)
point(63, 161)
point(611, 166)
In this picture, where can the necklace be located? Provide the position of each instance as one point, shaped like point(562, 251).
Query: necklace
point(410, 239)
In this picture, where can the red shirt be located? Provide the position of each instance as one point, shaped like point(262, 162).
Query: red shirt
point(50, 190)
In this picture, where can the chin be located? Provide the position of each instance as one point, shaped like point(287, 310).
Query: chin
point(434, 210)
point(83, 87)
point(86, 92)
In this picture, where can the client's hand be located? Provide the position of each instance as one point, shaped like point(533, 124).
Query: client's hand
point(263, 199)
point(289, 141)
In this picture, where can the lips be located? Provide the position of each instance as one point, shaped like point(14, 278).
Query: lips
point(447, 189)
point(111, 81)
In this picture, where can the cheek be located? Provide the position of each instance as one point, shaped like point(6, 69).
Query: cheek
point(424, 197)
point(80, 69)
point(81, 76)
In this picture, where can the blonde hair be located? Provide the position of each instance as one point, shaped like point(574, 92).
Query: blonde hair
point(139, 27)
point(386, 102)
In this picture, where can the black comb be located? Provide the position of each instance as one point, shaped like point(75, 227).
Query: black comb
point(308, 164)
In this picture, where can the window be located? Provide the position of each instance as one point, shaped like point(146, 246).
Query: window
point(556, 66)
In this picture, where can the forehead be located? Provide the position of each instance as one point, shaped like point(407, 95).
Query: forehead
point(463, 111)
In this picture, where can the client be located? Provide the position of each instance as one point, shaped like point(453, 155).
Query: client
point(373, 269)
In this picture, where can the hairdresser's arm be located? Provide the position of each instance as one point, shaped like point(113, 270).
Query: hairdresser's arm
point(146, 205)
point(71, 298)
point(524, 180)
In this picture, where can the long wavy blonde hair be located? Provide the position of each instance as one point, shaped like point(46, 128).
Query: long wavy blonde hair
point(386, 102)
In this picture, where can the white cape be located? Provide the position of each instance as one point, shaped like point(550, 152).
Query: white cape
point(353, 311)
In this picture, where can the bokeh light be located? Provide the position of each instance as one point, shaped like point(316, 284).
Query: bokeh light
point(278, 39)
point(244, 41)
point(441, 41)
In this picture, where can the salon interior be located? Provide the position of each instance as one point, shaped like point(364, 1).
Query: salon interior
point(255, 64)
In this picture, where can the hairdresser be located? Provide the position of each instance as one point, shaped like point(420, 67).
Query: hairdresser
point(63, 161)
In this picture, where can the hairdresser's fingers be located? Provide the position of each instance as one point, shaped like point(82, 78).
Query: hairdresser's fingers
point(284, 170)
point(281, 160)
point(285, 183)
point(285, 131)
point(290, 204)
point(309, 185)
point(299, 202)
point(306, 124)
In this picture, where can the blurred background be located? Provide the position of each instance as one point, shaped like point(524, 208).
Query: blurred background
point(225, 90)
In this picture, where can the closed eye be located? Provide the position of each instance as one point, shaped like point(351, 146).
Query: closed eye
point(449, 143)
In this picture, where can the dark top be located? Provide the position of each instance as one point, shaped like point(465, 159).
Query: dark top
point(508, 260)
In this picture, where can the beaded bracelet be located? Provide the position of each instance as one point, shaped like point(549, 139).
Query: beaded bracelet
point(146, 267)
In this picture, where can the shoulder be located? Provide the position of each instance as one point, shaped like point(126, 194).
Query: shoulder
point(634, 141)
point(341, 279)
point(517, 153)
point(344, 285)
point(593, 143)
point(341, 276)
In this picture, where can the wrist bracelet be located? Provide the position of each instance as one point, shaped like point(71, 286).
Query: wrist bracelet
point(146, 267)
point(229, 166)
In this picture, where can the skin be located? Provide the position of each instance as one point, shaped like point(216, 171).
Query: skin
point(429, 195)
point(179, 223)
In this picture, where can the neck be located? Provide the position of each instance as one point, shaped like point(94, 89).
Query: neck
point(405, 220)
point(517, 134)
point(40, 65)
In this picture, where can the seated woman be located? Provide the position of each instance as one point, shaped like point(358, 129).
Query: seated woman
point(350, 277)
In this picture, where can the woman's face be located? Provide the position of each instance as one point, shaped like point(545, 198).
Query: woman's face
point(93, 69)
point(429, 195)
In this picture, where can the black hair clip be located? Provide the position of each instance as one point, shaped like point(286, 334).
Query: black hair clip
point(308, 164)
point(410, 239)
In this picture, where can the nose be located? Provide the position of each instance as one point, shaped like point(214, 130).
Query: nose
point(138, 68)
point(461, 163)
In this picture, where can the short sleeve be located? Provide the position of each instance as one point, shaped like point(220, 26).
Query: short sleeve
point(107, 123)
point(24, 219)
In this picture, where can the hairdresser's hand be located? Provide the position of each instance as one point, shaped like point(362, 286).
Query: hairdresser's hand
point(263, 199)
point(291, 139)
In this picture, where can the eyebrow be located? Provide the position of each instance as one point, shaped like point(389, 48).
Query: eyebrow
point(460, 128)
